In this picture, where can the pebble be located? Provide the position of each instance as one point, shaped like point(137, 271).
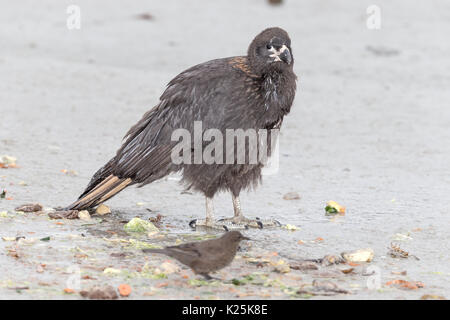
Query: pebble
point(84, 215)
point(102, 210)
point(361, 255)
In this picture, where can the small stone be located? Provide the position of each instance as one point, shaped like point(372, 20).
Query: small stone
point(103, 293)
point(291, 196)
point(9, 238)
point(331, 259)
point(327, 286)
point(7, 160)
point(145, 16)
point(382, 51)
point(327, 274)
point(290, 227)
point(48, 210)
point(84, 215)
point(69, 214)
point(401, 237)
point(281, 266)
point(322, 288)
point(304, 266)
point(102, 210)
point(32, 207)
point(168, 268)
point(347, 271)
point(124, 290)
point(112, 271)
point(275, 2)
point(361, 255)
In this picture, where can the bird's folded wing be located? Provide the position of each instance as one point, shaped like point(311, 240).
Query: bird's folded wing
point(188, 249)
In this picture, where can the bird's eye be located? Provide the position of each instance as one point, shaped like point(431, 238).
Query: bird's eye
point(269, 47)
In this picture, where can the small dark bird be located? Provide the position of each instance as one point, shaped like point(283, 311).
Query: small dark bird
point(253, 92)
point(207, 256)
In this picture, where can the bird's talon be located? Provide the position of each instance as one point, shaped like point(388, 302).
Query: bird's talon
point(193, 223)
point(229, 224)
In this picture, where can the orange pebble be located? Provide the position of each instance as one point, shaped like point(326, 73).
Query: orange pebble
point(124, 290)
point(352, 264)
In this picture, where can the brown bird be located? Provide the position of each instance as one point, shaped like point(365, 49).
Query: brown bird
point(206, 256)
point(248, 93)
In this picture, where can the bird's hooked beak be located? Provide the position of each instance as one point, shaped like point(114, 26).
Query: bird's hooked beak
point(282, 54)
point(245, 238)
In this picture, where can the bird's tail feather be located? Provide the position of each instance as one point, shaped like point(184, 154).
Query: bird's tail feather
point(104, 190)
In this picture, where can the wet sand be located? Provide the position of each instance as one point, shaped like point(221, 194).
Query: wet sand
point(369, 129)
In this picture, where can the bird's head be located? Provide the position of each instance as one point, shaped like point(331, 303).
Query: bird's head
point(235, 236)
point(271, 50)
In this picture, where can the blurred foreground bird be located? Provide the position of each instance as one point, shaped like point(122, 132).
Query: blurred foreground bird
point(252, 92)
point(207, 256)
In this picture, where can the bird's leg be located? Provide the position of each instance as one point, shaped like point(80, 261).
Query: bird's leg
point(239, 220)
point(208, 277)
point(209, 211)
point(237, 208)
point(209, 220)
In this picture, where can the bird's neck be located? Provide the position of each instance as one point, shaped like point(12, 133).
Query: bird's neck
point(279, 89)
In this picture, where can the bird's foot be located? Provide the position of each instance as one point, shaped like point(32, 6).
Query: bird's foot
point(207, 224)
point(235, 223)
point(208, 277)
point(239, 221)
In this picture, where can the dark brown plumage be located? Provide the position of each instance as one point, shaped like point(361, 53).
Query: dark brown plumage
point(246, 92)
point(207, 256)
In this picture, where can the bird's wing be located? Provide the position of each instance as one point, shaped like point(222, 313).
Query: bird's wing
point(187, 249)
point(205, 92)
